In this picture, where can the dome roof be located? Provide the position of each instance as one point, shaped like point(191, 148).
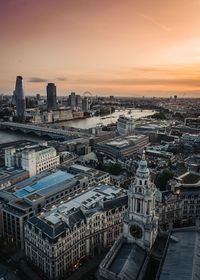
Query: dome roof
point(143, 170)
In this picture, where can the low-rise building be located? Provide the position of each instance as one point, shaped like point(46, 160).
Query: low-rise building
point(188, 138)
point(11, 176)
point(125, 125)
point(43, 191)
point(123, 147)
point(154, 153)
point(79, 146)
point(182, 204)
point(78, 114)
point(56, 242)
point(34, 159)
point(97, 175)
point(57, 115)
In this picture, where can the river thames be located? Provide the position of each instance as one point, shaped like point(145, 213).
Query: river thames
point(7, 136)
point(105, 120)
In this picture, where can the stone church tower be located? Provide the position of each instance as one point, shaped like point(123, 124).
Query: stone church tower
point(140, 222)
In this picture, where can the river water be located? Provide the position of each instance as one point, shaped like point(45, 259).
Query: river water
point(7, 136)
point(105, 120)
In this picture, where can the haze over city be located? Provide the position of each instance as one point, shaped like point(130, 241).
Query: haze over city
point(130, 47)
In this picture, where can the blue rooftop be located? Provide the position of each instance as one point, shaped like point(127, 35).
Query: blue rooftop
point(49, 181)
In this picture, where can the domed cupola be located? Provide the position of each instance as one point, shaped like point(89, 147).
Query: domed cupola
point(143, 170)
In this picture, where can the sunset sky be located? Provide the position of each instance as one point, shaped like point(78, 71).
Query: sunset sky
point(120, 47)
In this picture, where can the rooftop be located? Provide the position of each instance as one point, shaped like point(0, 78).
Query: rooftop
point(86, 200)
point(80, 167)
point(54, 222)
point(38, 183)
point(119, 143)
point(190, 178)
point(182, 257)
point(10, 173)
point(125, 141)
point(128, 261)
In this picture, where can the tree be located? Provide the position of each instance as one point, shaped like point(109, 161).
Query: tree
point(162, 179)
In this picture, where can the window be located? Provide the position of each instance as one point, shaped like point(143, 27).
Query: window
point(138, 205)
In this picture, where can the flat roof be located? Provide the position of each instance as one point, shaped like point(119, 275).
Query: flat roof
point(125, 141)
point(49, 181)
point(118, 143)
point(87, 200)
point(80, 167)
point(128, 261)
point(189, 178)
point(182, 259)
point(8, 172)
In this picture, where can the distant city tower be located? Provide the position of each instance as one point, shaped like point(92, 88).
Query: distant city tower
point(51, 96)
point(85, 104)
point(19, 97)
point(72, 99)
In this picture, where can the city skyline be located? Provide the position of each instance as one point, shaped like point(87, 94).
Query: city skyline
point(116, 47)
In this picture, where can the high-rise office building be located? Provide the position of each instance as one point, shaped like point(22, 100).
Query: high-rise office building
point(85, 104)
point(78, 101)
point(19, 97)
point(72, 99)
point(51, 96)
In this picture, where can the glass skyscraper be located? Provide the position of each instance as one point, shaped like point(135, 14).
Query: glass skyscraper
point(51, 96)
point(19, 97)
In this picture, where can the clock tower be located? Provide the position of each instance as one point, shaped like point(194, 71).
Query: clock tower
point(140, 222)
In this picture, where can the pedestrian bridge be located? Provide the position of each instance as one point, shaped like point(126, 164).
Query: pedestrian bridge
point(42, 130)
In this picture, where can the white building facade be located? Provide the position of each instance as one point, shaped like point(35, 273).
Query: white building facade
point(34, 159)
point(58, 242)
point(125, 125)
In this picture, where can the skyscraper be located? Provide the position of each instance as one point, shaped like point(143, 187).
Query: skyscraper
point(72, 99)
point(19, 97)
point(78, 101)
point(85, 104)
point(51, 96)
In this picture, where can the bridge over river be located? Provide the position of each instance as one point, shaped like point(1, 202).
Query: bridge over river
point(42, 130)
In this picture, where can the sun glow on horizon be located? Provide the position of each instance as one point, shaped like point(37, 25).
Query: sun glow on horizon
point(108, 47)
